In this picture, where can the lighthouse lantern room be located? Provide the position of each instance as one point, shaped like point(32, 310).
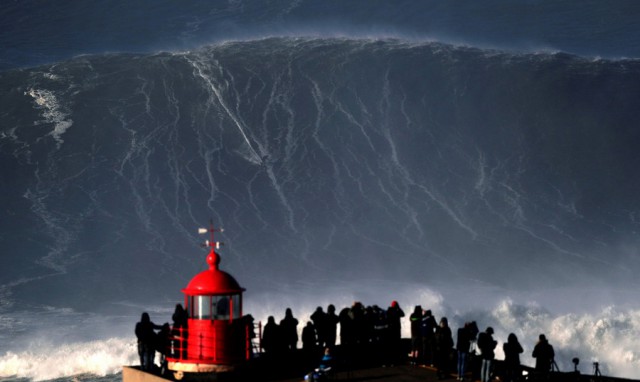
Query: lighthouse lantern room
point(217, 335)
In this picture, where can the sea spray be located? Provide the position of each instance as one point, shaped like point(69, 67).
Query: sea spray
point(45, 360)
point(607, 336)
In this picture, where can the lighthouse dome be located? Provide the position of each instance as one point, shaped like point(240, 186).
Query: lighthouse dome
point(212, 281)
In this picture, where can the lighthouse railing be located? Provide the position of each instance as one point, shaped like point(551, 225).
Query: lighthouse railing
point(177, 343)
point(254, 341)
point(226, 342)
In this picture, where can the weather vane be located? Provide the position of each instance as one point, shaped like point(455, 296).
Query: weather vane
point(211, 230)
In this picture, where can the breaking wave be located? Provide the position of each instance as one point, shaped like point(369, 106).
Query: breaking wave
point(607, 337)
point(45, 360)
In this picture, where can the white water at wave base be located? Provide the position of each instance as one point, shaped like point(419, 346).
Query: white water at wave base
point(46, 361)
point(607, 336)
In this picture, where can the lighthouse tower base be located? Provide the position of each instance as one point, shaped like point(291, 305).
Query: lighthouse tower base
point(179, 368)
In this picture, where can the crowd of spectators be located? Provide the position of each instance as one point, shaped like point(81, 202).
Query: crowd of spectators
point(372, 335)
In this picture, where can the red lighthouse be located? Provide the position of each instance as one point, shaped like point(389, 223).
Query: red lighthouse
point(217, 335)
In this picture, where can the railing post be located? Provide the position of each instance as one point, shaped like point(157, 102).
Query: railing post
point(247, 343)
point(182, 344)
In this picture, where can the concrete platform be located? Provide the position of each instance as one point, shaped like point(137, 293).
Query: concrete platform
point(134, 374)
point(401, 373)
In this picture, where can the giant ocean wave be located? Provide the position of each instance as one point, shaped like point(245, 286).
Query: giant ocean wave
point(325, 160)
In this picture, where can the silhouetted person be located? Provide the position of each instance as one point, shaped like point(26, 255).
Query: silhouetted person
point(289, 328)
point(380, 325)
point(179, 331)
point(544, 355)
point(163, 345)
point(473, 331)
point(444, 347)
point(271, 336)
point(512, 350)
point(332, 326)
point(319, 321)
point(347, 335)
point(486, 344)
point(381, 337)
point(146, 341)
point(356, 313)
point(474, 362)
point(462, 346)
point(326, 363)
point(415, 321)
point(428, 327)
point(394, 319)
point(370, 318)
point(309, 338)
point(325, 366)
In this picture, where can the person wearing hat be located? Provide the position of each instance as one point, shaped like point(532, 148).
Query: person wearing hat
point(486, 344)
point(394, 316)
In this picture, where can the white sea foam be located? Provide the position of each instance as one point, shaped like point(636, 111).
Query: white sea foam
point(52, 112)
point(607, 336)
point(45, 361)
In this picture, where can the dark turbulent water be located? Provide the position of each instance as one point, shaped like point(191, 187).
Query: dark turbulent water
point(486, 181)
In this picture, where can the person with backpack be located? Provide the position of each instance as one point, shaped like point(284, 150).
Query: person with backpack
point(486, 345)
point(415, 320)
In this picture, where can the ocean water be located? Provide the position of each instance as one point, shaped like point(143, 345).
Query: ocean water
point(479, 160)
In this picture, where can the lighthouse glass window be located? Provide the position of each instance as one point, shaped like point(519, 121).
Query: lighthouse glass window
point(200, 307)
point(225, 307)
point(220, 307)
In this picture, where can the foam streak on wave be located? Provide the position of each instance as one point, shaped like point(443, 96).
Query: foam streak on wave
point(52, 112)
point(216, 93)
